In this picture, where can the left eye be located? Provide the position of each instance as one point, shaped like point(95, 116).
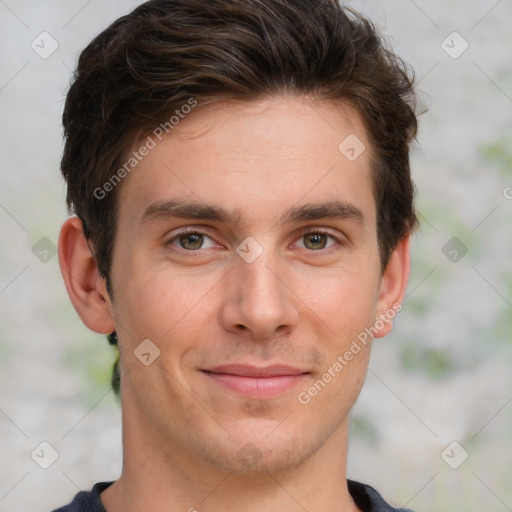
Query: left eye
point(317, 240)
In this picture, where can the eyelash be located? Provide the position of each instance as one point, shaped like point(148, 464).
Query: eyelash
point(310, 230)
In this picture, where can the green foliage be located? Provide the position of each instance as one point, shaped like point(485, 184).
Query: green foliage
point(499, 153)
point(435, 363)
point(361, 427)
point(94, 365)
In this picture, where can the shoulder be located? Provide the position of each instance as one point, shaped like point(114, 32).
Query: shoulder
point(369, 500)
point(366, 497)
point(87, 501)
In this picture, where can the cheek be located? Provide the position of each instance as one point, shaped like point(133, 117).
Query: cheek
point(160, 302)
point(345, 301)
point(171, 311)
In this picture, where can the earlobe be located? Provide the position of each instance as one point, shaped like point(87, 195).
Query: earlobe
point(393, 285)
point(84, 284)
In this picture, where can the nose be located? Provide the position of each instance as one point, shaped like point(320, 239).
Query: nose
point(259, 303)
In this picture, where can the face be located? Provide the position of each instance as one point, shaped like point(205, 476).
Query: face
point(246, 252)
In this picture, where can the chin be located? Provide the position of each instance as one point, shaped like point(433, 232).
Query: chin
point(263, 454)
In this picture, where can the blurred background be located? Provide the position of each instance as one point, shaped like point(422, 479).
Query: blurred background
point(432, 429)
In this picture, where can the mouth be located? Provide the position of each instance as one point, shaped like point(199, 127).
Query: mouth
point(256, 382)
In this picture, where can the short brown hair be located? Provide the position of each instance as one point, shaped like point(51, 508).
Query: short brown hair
point(145, 66)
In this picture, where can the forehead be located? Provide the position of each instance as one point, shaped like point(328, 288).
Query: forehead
point(259, 157)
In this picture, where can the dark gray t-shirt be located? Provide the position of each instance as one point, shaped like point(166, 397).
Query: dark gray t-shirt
point(366, 498)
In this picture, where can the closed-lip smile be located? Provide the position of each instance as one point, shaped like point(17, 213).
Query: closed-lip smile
point(258, 382)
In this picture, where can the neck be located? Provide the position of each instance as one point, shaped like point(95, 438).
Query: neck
point(162, 477)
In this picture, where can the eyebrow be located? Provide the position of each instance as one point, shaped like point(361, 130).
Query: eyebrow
point(334, 209)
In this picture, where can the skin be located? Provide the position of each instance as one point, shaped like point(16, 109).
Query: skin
point(302, 302)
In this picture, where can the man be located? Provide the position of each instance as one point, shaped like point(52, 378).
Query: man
point(239, 171)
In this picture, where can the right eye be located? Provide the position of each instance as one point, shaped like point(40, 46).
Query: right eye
point(190, 240)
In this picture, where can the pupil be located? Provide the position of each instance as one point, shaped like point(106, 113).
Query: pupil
point(316, 239)
point(192, 241)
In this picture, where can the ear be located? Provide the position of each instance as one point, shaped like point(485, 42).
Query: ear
point(392, 288)
point(86, 288)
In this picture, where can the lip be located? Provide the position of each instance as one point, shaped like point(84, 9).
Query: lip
point(246, 370)
point(256, 381)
